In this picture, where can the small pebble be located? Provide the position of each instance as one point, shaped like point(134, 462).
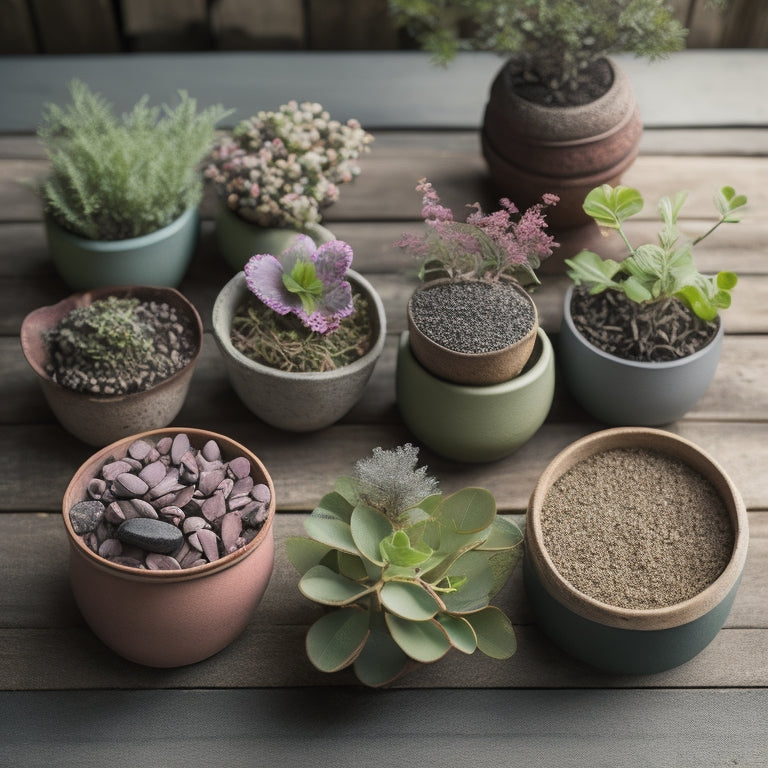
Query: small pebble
point(151, 535)
point(85, 516)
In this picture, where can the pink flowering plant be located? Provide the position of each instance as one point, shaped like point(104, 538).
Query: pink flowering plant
point(301, 313)
point(486, 245)
point(280, 169)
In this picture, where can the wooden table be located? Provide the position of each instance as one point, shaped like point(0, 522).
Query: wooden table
point(67, 700)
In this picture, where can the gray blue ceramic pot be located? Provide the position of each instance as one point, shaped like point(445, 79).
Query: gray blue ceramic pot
point(474, 423)
point(624, 640)
point(628, 392)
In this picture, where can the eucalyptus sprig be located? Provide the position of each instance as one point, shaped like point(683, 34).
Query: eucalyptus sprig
point(656, 271)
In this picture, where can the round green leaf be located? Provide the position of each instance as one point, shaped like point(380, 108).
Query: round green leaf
point(467, 511)
point(495, 634)
point(381, 661)
point(726, 280)
point(504, 534)
point(305, 553)
point(351, 566)
point(369, 527)
point(331, 531)
point(325, 586)
point(424, 641)
point(334, 504)
point(459, 631)
point(409, 600)
point(473, 573)
point(335, 640)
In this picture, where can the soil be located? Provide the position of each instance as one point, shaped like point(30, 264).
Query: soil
point(636, 528)
point(652, 332)
point(594, 82)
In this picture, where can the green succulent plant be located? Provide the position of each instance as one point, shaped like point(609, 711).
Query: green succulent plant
point(408, 572)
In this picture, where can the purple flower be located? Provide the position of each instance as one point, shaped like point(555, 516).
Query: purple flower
point(306, 281)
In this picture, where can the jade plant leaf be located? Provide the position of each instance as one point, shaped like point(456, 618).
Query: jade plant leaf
point(346, 487)
point(504, 534)
point(327, 587)
point(369, 527)
point(459, 631)
point(305, 553)
point(398, 550)
point(424, 641)
point(467, 511)
point(335, 640)
point(334, 505)
point(409, 600)
point(351, 566)
point(381, 661)
point(331, 531)
point(471, 580)
point(495, 634)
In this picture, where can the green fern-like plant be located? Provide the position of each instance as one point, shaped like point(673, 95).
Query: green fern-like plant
point(114, 178)
point(408, 573)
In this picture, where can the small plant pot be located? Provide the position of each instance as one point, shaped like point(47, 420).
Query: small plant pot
point(625, 640)
point(475, 423)
point(628, 392)
point(164, 618)
point(296, 401)
point(238, 239)
point(98, 420)
point(472, 368)
point(160, 258)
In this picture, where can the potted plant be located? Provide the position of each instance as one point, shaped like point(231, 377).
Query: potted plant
point(406, 573)
point(635, 544)
point(640, 338)
point(276, 172)
point(114, 361)
point(300, 334)
point(561, 115)
point(121, 199)
point(475, 372)
point(171, 543)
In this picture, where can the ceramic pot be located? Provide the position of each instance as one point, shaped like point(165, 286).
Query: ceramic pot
point(238, 240)
point(532, 149)
point(481, 368)
point(296, 401)
point(169, 618)
point(623, 640)
point(475, 423)
point(98, 420)
point(629, 392)
point(159, 258)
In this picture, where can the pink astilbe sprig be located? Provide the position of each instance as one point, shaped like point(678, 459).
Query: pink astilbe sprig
point(306, 281)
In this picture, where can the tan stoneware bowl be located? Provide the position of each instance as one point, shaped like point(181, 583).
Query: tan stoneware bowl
point(98, 420)
point(164, 618)
point(481, 368)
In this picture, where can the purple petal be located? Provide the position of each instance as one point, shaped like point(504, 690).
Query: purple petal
point(264, 278)
point(333, 260)
point(302, 249)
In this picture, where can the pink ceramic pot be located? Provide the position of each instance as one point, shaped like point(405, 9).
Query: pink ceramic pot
point(169, 618)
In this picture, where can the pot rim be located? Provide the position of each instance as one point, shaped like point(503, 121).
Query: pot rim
point(311, 227)
point(34, 349)
point(637, 618)
point(238, 287)
point(147, 576)
point(639, 364)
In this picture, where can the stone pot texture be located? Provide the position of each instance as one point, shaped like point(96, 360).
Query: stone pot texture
point(238, 239)
point(471, 423)
point(628, 392)
point(532, 149)
point(472, 368)
point(159, 258)
point(624, 640)
point(98, 420)
point(163, 618)
point(289, 400)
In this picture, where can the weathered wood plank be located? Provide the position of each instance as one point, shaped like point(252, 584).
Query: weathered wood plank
point(88, 26)
point(343, 25)
point(17, 33)
point(244, 25)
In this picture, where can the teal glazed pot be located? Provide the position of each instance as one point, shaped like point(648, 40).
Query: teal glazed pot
point(160, 258)
point(628, 392)
point(621, 640)
point(473, 423)
point(238, 240)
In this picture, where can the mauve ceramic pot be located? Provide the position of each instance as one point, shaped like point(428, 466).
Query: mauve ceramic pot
point(169, 618)
point(297, 402)
point(623, 640)
point(628, 392)
point(159, 258)
point(100, 420)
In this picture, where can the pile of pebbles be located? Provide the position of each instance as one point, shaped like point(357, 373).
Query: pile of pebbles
point(169, 506)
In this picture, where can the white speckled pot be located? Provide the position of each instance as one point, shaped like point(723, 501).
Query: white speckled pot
point(298, 402)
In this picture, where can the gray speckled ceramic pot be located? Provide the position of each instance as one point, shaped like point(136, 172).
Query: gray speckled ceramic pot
point(298, 402)
point(100, 420)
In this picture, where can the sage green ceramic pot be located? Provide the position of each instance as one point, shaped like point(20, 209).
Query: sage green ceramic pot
point(475, 423)
point(622, 640)
point(238, 240)
point(159, 258)
point(628, 392)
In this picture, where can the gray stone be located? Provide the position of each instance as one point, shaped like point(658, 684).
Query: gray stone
point(151, 535)
point(85, 516)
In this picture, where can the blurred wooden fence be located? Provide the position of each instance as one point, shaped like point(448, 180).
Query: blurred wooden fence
point(104, 26)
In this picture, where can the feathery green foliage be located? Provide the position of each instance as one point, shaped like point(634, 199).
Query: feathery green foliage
point(114, 178)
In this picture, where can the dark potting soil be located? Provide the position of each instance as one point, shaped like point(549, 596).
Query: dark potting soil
point(592, 83)
point(654, 332)
point(636, 528)
point(472, 317)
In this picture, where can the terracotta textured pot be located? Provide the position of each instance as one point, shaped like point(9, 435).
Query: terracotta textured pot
point(238, 239)
point(159, 258)
point(169, 618)
point(628, 392)
point(475, 423)
point(482, 368)
point(622, 640)
point(100, 420)
point(298, 402)
point(532, 149)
